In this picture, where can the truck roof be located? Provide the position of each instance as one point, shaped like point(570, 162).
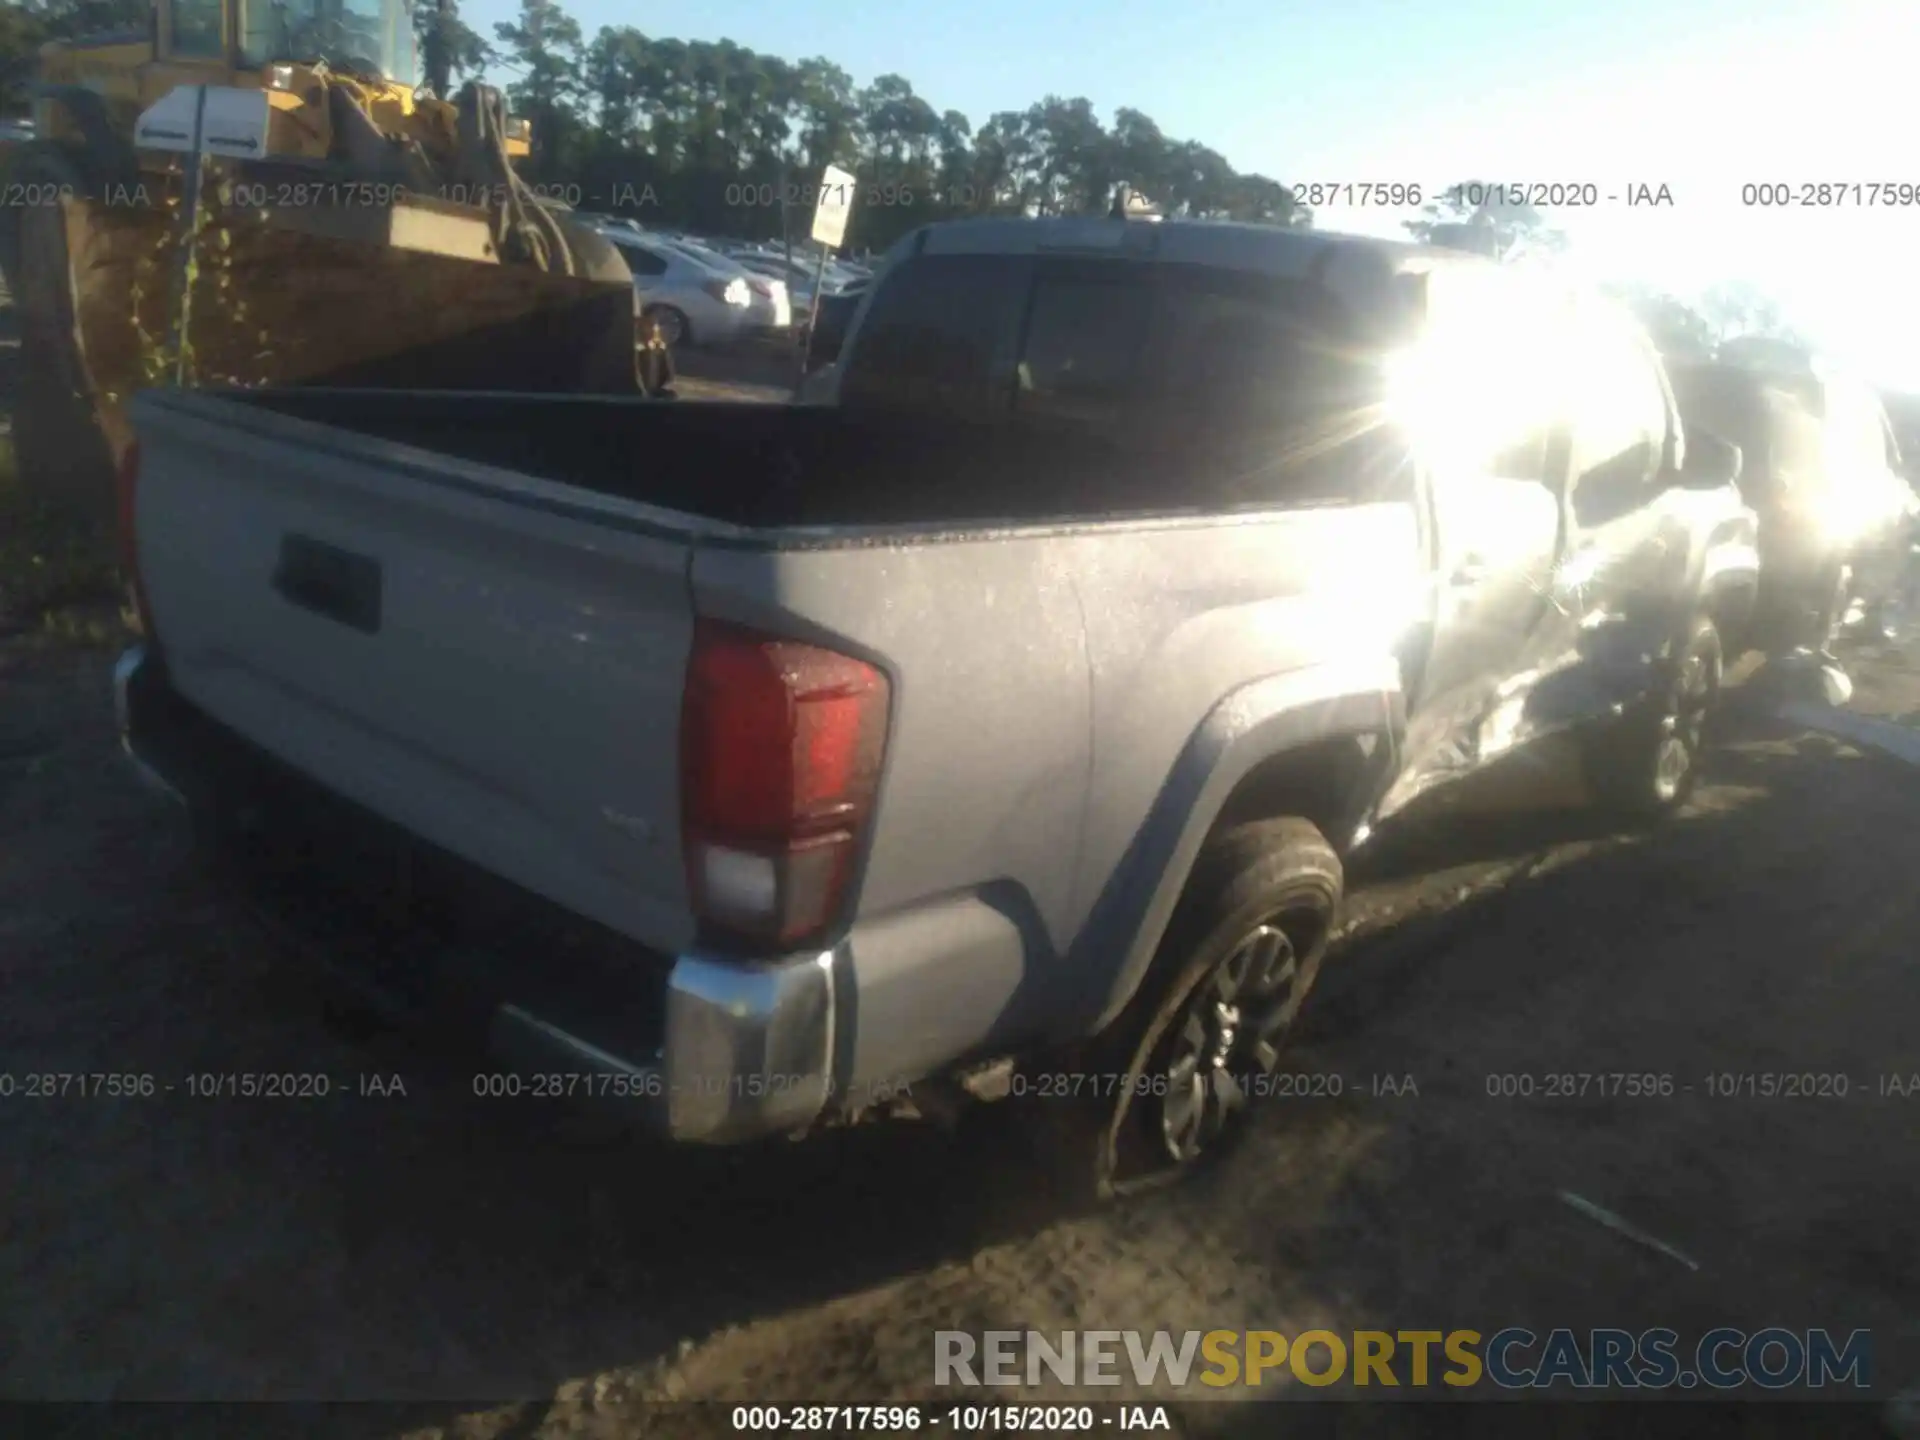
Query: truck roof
point(1268, 249)
point(1373, 275)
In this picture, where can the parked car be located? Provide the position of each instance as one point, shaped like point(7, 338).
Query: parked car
point(691, 303)
point(1821, 467)
point(795, 275)
point(1011, 718)
point(800, 277)
point(799, 292)
point(771, 310)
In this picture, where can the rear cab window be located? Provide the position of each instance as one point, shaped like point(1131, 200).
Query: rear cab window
point(938, 339)
point(1086, 329)
point(1116, 386)
point(1266, 385)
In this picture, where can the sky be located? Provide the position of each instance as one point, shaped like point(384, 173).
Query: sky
point(1703, 97)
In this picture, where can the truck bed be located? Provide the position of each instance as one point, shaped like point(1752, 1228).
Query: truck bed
point(773, 466)
point(390, 594)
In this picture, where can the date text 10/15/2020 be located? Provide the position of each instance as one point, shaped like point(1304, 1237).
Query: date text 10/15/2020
point(951, 1419)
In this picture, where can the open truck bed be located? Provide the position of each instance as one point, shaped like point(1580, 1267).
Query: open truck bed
point(757, 466)
point(568, 649)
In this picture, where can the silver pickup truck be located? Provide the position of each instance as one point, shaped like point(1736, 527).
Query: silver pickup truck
point(1009, 716)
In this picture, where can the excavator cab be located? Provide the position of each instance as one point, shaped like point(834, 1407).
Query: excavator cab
point(293, 49)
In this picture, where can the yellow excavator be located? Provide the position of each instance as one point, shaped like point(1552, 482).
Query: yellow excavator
point(382, 237)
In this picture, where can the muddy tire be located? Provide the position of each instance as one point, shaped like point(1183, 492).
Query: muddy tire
point(1177, 1076)
point(62, 450)
point(1648, 763)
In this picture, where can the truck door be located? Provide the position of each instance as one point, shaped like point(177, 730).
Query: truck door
point(1624, 572)
point(1484, 420)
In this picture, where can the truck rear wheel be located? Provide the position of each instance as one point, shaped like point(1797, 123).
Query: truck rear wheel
point(1172, 1084)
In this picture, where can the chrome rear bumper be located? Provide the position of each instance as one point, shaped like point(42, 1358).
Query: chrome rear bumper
point(726, 1050)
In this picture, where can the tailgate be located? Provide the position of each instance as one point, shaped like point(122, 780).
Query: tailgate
point(492, 662)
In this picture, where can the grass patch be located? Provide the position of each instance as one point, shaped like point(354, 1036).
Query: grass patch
point(55, 575)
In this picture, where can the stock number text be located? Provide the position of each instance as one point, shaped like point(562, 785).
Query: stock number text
point(1563, 1085)
point(62, 1085)
point(1359, 192)
point(311, 194)
point(1830, 194)
point(791, 1419)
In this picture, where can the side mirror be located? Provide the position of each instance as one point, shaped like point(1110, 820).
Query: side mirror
point(1711, 463)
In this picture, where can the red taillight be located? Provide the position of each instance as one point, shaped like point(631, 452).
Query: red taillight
point(780, 748)
point(126, 486)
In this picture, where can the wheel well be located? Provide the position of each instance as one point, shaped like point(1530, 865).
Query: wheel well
point(1321, 782)
point(686, 325)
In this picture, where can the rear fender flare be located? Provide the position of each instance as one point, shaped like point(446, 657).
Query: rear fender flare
point(1269, 717)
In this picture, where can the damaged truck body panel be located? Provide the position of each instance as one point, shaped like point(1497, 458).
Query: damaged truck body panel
point(982, 716)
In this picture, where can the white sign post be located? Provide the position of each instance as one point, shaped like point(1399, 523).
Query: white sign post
point(830, 216)
point(197, 120)
point(834, 207)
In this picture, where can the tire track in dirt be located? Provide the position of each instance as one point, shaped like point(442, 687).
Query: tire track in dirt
point(262, 1252)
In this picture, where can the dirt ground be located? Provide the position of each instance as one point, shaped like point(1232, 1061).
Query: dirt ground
point(508, 1273)
point(759, 373)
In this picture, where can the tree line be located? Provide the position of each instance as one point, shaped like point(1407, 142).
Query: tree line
point(709, 132)
point(712, 136)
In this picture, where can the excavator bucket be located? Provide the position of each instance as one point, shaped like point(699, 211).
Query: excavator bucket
point(408, 297)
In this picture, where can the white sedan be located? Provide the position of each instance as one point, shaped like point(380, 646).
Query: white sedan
point(772, 309)
point(693, 304)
